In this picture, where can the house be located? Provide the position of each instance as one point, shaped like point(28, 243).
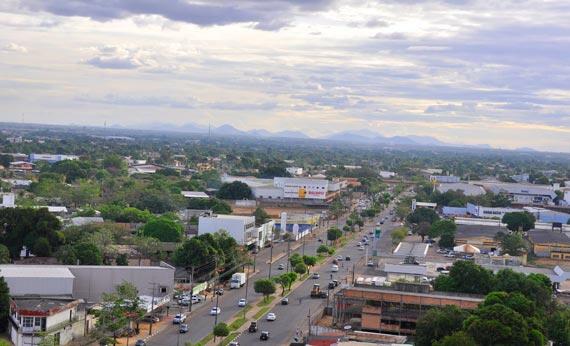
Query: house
point(241, 228)
point(550, 244)
point(34, 317)
point(480, 236)
point(21, 166)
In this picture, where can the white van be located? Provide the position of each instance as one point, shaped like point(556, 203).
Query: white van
point(334, 268)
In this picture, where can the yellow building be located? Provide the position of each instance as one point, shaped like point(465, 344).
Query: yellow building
point(550, 244)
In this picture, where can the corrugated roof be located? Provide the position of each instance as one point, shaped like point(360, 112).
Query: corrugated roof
point(405, 269)
point(546, 236)
point(32, 271)
point(405, 249)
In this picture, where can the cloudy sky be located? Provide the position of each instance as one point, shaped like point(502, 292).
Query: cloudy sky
point(463, 71)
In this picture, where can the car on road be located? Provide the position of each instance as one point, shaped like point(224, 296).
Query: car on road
point(331, 285)
point(285, 301)
point(339, 258)
point(359, 244)
point(219, 291)
point(334, 268)
point(215, 310)
point(140, 343)
point(271, 316)
point(370, 264)
point(316, 276)
point(183, 328)
point(233, 343)
point(264, 336)
point(242, 302)
point(320, 240)
point(347, 258)
point(361, 248)
point(382, 222)
point(179, 318)
point(334, 261)
point(252, 327)
point(153, 319)
point(281, 266)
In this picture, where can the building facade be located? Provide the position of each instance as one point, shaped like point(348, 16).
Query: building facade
point(241, 228)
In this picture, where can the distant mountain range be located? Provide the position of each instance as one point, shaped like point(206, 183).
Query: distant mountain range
point(363, 136)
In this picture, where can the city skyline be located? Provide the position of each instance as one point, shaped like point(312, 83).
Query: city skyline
point(466, 72)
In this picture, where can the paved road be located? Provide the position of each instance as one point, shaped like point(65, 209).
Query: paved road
point(201, 323)
point(293, 317)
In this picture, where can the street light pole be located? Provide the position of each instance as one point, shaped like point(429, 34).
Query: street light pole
point(246, 288)
point(270, 261)
point(288, 252)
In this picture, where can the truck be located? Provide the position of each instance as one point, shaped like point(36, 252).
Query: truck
point(238, 280)
point(317, 293)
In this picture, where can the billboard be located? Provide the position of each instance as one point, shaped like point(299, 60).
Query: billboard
point(302, 192)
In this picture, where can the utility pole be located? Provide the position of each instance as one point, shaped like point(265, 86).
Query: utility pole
point(246, 287)
point(288, 252)
point(151, 310)
point(309, 322)
point(270, 260)
point(191, 287)
point(254, 260)
point(304, 244)
point(353, 268)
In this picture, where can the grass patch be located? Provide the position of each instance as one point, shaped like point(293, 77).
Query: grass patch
point(265, 302)
point(237, 323)
point(260, 313)
point(229, 339)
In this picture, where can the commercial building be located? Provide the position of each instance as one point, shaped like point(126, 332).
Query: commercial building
point(480, 236)
point(550, 244)
point(444, 179)
point(488, 212)
point(381, 309)
point(405, 272)
point(32, 318)
point(524, 194)
point(51, 158)
point(241, 228)
point(85, 282)
point(547, 215)
point(521, 178)
point(467, 189)
point(416, 204)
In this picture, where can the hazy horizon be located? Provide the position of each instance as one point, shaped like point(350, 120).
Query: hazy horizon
point(461, 71)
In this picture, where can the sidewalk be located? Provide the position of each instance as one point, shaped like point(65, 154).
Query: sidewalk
point(144, 328)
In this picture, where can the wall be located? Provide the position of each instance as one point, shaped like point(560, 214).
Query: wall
point(92, 281)
point(236, 227)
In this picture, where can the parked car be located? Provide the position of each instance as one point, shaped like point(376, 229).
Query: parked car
point(183, 328)
point(370, 264)
point(233, 343)
point(316, 276)
point(252, 327)
point(271, 316)
point(361, 248)
point(264, 336)
point(153, 319)
point(285, 301)
point(334, 268)
point(334, 261)
point(242, 302)
point(336, 283)
point(339, 258)
point(140, 343)
point(219, 291)
point(179, 318)
point(331, 285)
point(281, 266)
point(215, 310)
point(347, 258)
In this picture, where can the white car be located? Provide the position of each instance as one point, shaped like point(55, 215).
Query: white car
point(179, 318)
point(242, 302)
point(271, 316)
point(361, 248)
point(215, 310)
point(334, 268)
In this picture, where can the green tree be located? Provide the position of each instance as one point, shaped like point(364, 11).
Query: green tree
point(422, 229)
point(234, 190)
point(4, 304)
point(284, 280)
point(423, 215)
point(497, 325)
point(115, 165)
point(261, 216)
point(466, 277)
point(265, 287)
point(447, 239)
point(559, 327)
point(88, 254)
point(122, 260)
point(119, 308)
point(85, 193)
point(163, 229)
point(310, 261)
point(4, 254)
point(333, 234)
point(300, 268)
point(323, 249)
point(438, 323)
point(455, 339)
point(440, 227)
point(519, 221)
point(398, 235)
point(221, 329)
point(42, 247)
point(513, 244)
point(295, 259)
point(66, 254)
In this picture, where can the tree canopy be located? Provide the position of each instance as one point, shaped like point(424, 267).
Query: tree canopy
point(519, 221)
point(234, 190)
point(164, 229)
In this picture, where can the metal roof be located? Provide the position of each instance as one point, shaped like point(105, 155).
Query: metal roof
point(33, 271)
point(405, 249)
point(405, 269)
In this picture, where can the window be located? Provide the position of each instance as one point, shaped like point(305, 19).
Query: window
point(38, 321)
point(27, 322)
point(163, 290)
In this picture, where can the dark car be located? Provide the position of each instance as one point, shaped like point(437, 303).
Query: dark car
point(219, 291)
point(183, 328)
point(140, 343)
point(334, 261)
point(252, 327)
point(285, 301)
point(336, 283)
point(331, 285)
point(347, 258)
point(264, 336)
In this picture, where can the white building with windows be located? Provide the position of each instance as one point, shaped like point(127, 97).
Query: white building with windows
point(294, 170)
point(241, 228)
point(51, 158)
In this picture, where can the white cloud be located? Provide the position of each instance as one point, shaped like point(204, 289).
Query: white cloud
point(13, 47)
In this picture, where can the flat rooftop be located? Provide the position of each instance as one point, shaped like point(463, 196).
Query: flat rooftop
point(406, 249)
point(45, 304)
point(472, 231)
point(35, 271)
point(449, 295)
